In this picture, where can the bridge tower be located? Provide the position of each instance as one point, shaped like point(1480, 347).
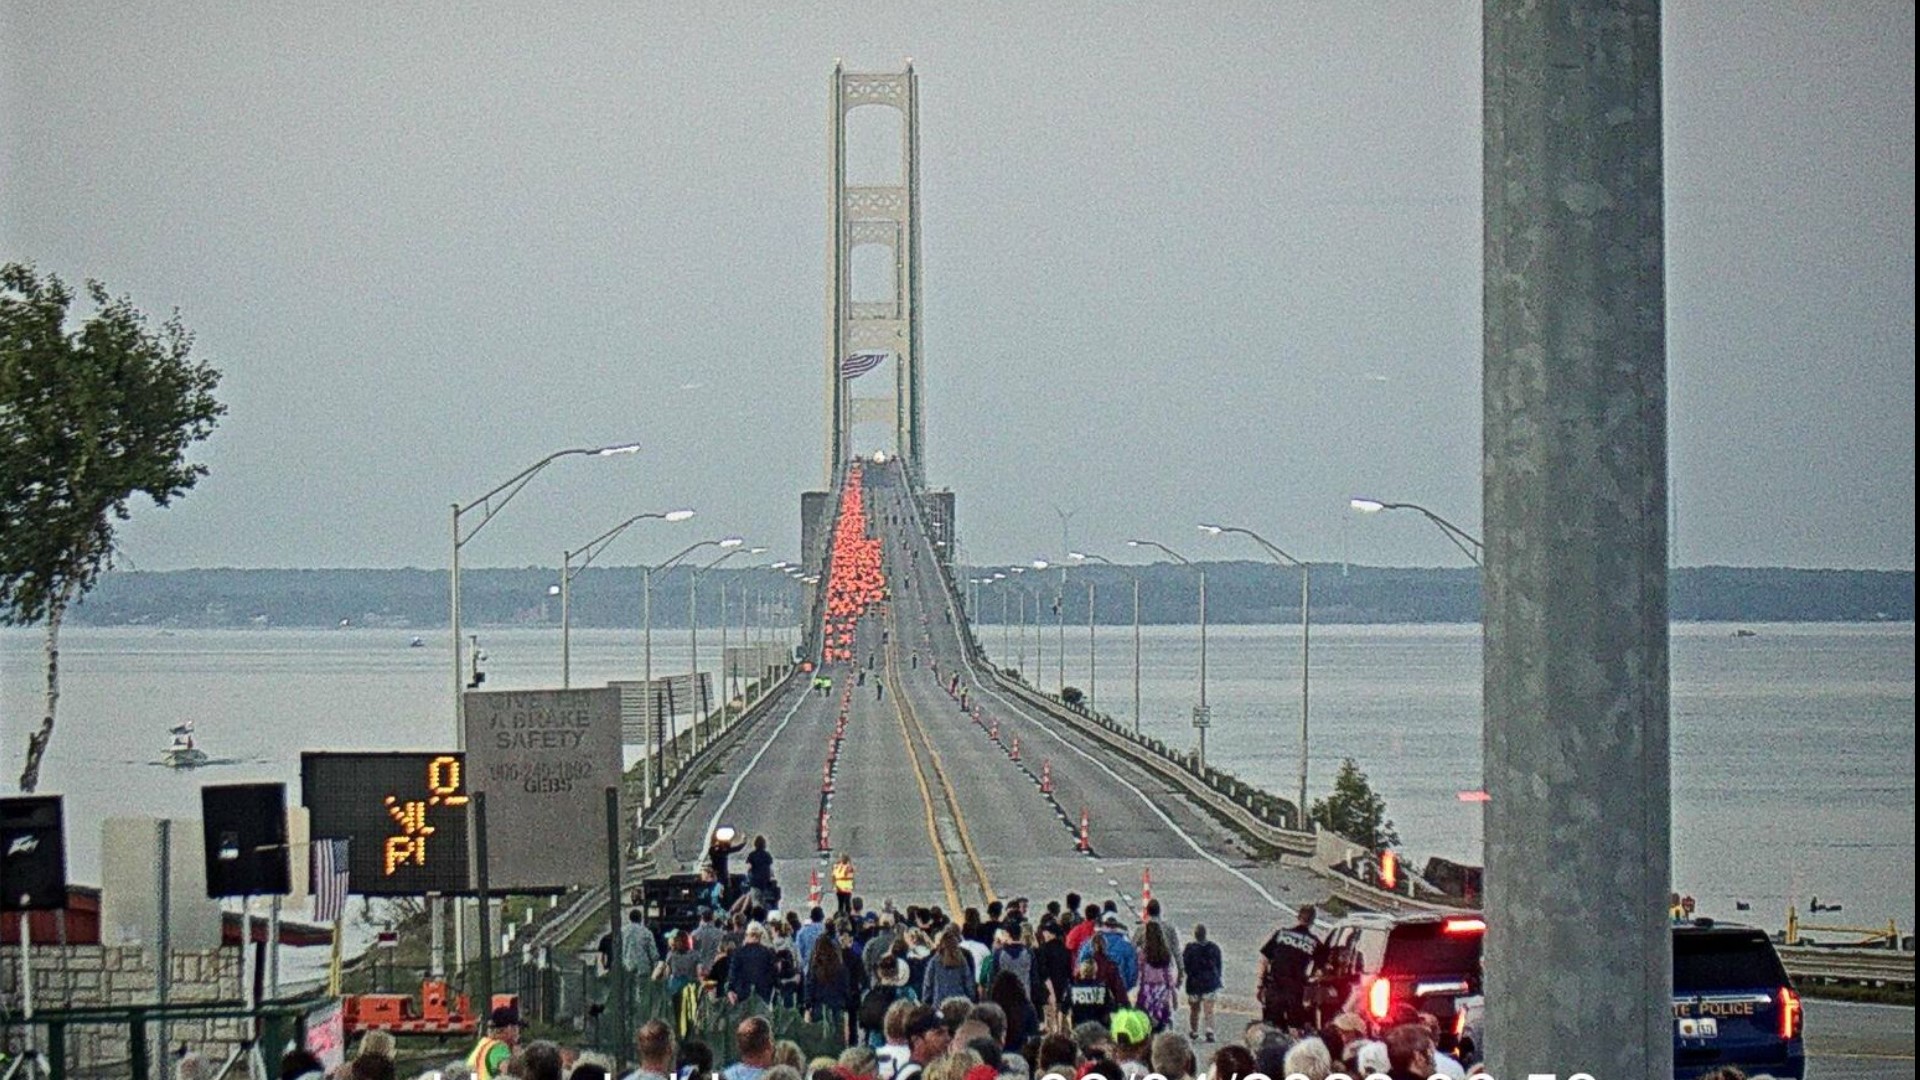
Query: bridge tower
point(886, 216)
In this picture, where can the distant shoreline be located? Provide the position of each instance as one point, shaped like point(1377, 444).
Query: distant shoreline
point(1238, 593)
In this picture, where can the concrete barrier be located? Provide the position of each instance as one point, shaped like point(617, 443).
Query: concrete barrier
point(1166, 766)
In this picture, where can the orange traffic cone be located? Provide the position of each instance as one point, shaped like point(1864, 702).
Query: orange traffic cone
point(1146, 887)
point(813, 889)
point(1016, 748)
point(1046, 778)
point(1084, 845)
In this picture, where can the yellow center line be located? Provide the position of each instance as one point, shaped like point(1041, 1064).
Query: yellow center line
point(920, 778)
point(953, 803)
point(940, 773)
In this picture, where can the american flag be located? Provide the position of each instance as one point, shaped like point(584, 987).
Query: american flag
point(859, 364)
point(329, 879)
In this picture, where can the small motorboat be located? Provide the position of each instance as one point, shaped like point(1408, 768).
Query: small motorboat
point(181, 753)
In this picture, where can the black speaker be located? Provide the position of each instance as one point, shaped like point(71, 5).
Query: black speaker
point(246, 833)
point(33, 854)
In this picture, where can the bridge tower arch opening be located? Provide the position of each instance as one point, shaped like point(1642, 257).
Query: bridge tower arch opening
point(873, 270)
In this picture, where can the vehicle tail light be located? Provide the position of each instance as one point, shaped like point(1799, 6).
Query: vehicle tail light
point(1380, 998)
point(1464, 926)
point(1789, 1013)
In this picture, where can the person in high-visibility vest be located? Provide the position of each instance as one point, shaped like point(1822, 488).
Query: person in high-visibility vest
point(489, 1057)
point(843, 884)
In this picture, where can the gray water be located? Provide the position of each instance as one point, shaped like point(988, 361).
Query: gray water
point(1792, 750)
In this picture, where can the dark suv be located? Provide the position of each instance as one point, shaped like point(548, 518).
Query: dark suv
point(1733, 1003)
point(1376, 963)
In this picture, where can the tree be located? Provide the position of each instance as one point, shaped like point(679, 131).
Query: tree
point(89, 417)
point(1355, 811)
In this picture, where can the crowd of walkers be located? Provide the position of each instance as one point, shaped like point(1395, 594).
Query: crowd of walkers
point(1011, 992)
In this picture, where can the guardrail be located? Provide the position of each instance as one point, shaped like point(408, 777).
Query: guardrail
point(1877, 967)
point(1242, 816)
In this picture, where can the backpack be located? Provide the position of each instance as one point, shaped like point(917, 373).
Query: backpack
point(1021, 966)
point(874, 1006)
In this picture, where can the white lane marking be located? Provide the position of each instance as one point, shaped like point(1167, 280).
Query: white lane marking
point(714, 822)
point(946, 602)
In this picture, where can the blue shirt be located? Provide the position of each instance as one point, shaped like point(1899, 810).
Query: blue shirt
point(1120, 951)
point(803, 941)
point(740, 1070)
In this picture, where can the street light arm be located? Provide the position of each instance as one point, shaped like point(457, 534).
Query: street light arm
point(683, 553)
point(1469, 544)
point(1182, 559)
point(598, 544)
point(1271, 548)
point(519, 480)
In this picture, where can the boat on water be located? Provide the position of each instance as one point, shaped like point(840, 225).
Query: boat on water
point(181, 753)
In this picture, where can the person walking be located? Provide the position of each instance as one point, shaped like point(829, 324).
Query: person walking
point(766, 892)
point(751, 974)
point(683, 981)
point(1281, 980)
point(951, 972)
point(1202, 961)
point(1158, 996)
point(826, 991)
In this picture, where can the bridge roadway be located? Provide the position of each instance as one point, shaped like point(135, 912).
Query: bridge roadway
point(916, 776)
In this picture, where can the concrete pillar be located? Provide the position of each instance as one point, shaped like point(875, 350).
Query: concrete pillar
point(1579, 957)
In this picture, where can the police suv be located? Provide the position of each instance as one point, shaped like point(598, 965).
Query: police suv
point(1733, 1002)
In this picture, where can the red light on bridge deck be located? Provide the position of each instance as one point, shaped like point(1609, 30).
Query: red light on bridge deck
point(1475, 796)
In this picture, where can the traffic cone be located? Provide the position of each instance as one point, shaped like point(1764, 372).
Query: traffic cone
point(1016, 748)
point(1084, 845)
point(813, 889)
point(1146, 887)
point(994, 731)
point(1046, 778)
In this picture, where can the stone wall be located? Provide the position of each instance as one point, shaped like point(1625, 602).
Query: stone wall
point(73, 976)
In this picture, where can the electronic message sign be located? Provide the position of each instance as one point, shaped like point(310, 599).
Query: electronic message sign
point(545, 759)
point(405, 815)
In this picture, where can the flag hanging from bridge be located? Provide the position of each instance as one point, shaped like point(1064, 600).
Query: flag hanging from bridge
point(329, 879)
point(859, 364)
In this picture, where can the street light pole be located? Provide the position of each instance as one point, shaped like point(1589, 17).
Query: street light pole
point(568, 572)
point(488, 508)
point(1088, 557)
point(693, 629)
point(1306, 638)
point(1203, 717)
point(1093, 669)
point(1060, 619)
point(649, 776)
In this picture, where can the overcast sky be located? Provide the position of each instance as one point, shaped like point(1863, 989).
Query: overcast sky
point(1218, 261)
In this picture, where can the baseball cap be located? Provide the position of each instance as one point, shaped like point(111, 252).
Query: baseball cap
point(1110, 919)
point(1131, 1026)
point(504, 1016)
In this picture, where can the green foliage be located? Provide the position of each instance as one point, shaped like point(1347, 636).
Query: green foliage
point(1072, 695)
point(89, 417)
point(1356, 811)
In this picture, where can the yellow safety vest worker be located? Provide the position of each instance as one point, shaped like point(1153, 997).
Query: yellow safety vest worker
point(843, 876)
point(479, 1061)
